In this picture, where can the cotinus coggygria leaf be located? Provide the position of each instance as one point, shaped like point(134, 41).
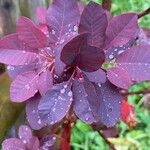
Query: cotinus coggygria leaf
point(24, 86)
point(82, 106)
point(56, 103)
point(112, 53)
point(12, 42)
point(119, 77)
point(121, 29)
point(63, 19)
point(100, 102)
point(17, 57)
point(110, 103)
point(98, 76)
point(134, 65)
point(78, 53)
point(30, 34)
point(94, 21)
point(14, 144)
point(45, 82)
point(32, 113)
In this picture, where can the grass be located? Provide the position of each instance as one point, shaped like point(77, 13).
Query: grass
point(84, 138)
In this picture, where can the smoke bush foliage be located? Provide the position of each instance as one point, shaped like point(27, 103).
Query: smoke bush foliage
point(58, 66)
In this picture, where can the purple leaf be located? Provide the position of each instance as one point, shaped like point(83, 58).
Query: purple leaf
point(45, 82)
point(94, 21)
point(147, 33)
point(82, 106)
point(32, 113)
point(47, 142)
point(33, 144)
point(143, 37)
point(30, 34)
point(62, 19)
point(56, 103)
point(25, 134)
point(81, 6)
point(12, 42)
point(24, 87)
point(109, 16)
point(13, 144)
point(110, 103)
point(114, 52)
point(14, 71)
point(136, 63)
point(41, 13)
point(17, 57)
point(78, 53)
point(121, 29)
point(59, 65)
point(119, 77)
point(98, 76)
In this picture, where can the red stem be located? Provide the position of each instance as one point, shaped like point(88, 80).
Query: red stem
point(65, 141)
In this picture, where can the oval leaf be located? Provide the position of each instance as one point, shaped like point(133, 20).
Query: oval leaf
point(30, 34)
point(47, 142)
point(25, 133)
point(17, 57)
point(24, 87)
point(110, 103)
point(94, 21)
point(32, 113)
point(136, 63)
point(114, 52)
point(41, 13)
point(98, 76)
point(14, 71)
point(121, 29)
point(13, 144)
point(59, 65)
point(12, 42)
point(62, 19)
point(82, 107)
point(33, 144)
point(119, 77)
point(56, 103)
point(45, 82)
point(78, 53)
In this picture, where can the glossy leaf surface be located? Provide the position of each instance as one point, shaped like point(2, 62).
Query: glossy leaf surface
point(56, 103)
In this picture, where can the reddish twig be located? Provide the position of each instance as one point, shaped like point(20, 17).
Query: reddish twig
point(106, 4)
point(145, 12)
point(65, 141)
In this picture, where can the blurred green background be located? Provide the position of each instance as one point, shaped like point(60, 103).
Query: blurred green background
point(84, 138)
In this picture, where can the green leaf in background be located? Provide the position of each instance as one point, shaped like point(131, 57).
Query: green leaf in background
point(84, 138)
point(9, 112)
